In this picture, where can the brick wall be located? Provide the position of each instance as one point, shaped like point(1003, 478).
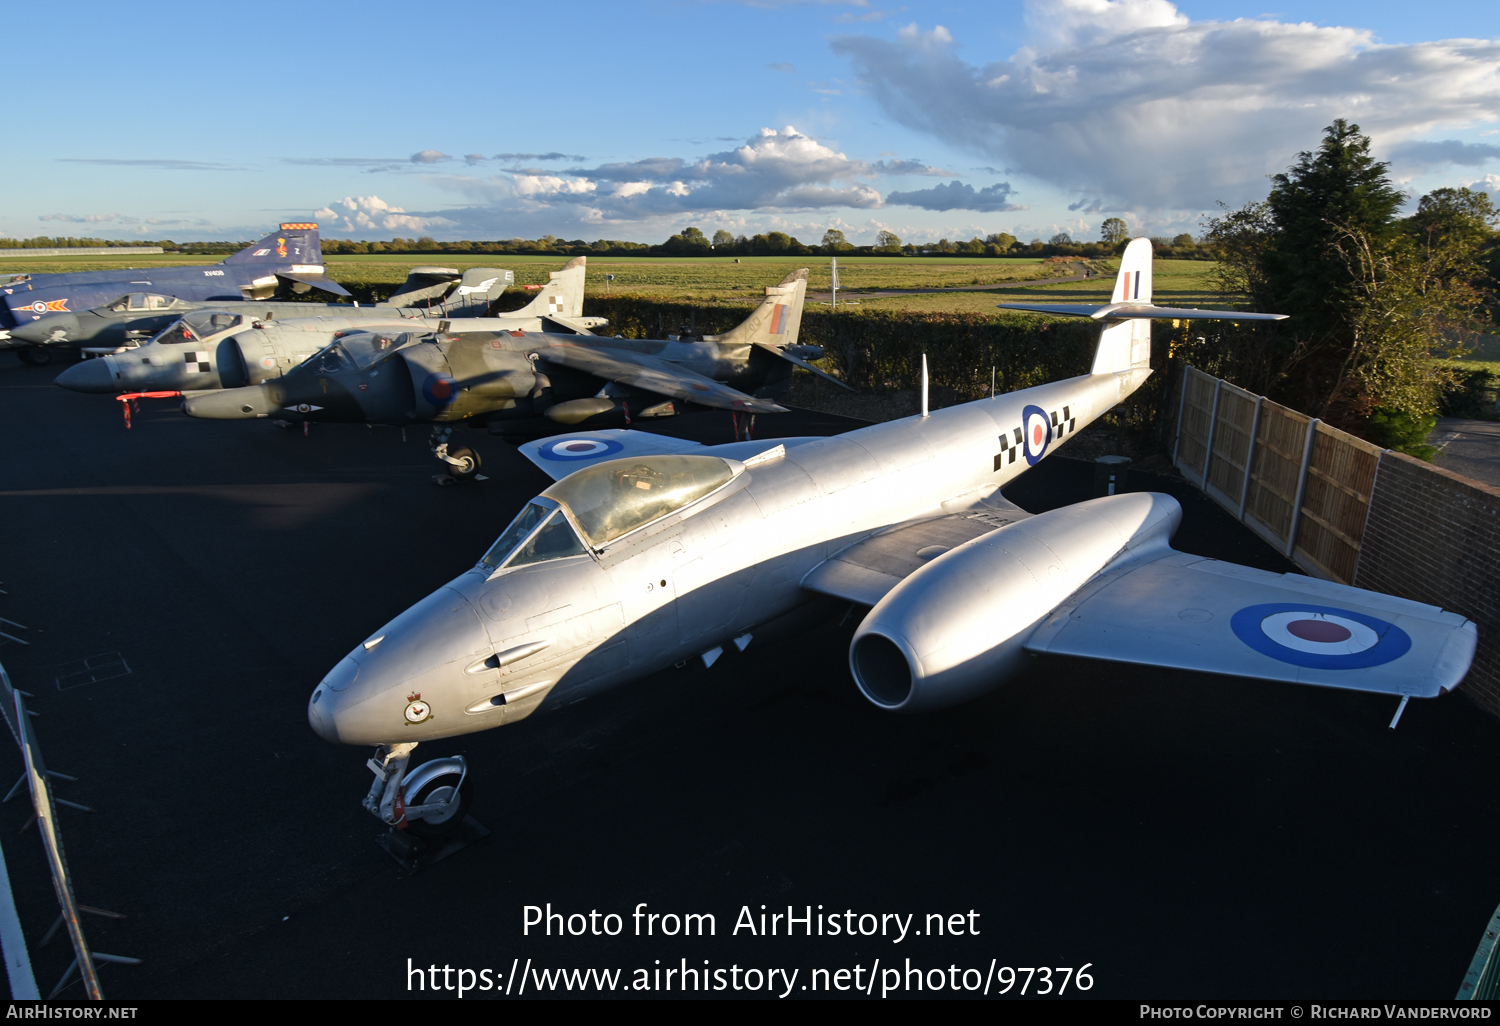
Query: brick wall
point(1433, 536)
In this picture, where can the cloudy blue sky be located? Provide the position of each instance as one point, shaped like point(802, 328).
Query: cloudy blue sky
point(631, 120)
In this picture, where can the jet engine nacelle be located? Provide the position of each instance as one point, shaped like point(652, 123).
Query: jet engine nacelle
point(955, 628)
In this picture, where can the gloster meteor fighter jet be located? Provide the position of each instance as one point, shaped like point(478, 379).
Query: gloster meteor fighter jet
point(291, 257)
point(234, 345)
point(524, 383)
point(648, 551)
point(137, 316)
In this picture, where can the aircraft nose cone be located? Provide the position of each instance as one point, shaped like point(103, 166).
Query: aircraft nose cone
point(318, 716)
point(92, 376)
point(53, 328)
point(231, 404)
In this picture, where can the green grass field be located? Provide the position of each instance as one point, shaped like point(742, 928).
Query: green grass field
point(716, 280)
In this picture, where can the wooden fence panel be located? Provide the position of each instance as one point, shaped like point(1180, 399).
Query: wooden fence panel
point(1276, 469)
point(1231, 445)
point(1192, 432)
point(1336, 502)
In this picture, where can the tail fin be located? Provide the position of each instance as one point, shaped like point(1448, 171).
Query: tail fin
point(562, 296)
point(477, 289)
point(776, 321)
point(1126, 345)
point(289, 244)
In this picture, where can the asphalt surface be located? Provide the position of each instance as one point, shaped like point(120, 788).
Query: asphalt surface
point(1181, 834)
point(1468, 447)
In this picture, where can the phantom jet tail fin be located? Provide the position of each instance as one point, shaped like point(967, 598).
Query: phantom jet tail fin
point(562, 296)
point(1125, 341)
point(776, 321)
point(290, 244)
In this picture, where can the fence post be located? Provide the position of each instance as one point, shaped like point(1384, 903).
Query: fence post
point(1307, 448)
point(1250, 456)
point(1181, 406)
point(1213, 422)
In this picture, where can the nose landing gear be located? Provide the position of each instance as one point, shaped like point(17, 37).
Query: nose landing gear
point(426, 808)
point(460, 463)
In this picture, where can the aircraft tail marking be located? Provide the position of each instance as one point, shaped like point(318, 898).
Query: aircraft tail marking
point(292, 243)
point(776, 321)
point(562, 296)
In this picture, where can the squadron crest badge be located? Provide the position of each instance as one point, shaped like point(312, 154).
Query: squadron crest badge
point(417, 711)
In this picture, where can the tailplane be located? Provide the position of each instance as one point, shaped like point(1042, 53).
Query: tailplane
point(1125, 335)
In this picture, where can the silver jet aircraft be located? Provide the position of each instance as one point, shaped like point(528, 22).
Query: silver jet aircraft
point(648, 551)
point(213, 348)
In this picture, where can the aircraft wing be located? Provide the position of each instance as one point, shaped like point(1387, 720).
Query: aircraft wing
point(560, 455)
point(317, 281)
point(866, 570)
point(560, 325)
point(1192, 613)
point(799, 362)
point(644, 371)
point(1135, 311)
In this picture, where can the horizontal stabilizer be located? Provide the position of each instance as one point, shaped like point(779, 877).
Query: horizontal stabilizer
point(789, 358)
point(317, 281)
point(1192, 613)
point(557, 324)
point(1136, 311)
point(653, 374)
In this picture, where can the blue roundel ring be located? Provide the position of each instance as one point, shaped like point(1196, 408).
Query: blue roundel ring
point(1029, 448)
point(569, 449)
point(439, 390)
point(1392, 642)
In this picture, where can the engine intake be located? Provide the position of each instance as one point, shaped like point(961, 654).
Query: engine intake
point(956, 628)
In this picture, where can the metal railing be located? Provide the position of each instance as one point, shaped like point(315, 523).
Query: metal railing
point(39, 780)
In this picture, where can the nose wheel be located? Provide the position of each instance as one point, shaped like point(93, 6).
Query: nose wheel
point(460, 463)
point(426, 809)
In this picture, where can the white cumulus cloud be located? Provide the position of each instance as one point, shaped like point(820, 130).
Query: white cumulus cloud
point(1134, 103)
point(371, 212)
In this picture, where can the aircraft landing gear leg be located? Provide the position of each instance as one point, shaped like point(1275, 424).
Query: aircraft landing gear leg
point(744, 426)
point(425, 809)
point(460, 463)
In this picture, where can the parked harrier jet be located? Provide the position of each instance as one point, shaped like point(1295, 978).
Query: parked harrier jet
point(217, 347)
point(522, 383)
point(133, 318)
point(648, 551)
point(291, 257)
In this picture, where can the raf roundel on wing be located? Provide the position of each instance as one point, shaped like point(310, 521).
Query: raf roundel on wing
point(579, 449)
point(1320, 637)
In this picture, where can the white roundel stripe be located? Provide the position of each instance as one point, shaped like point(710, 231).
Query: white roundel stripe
point(1323, 633)
point(565, 449)
point(1321, 637)
point(1036, 430)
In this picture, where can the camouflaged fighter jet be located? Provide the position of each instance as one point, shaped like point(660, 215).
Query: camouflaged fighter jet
point(522, 383)
point(211, 349)
point(289, 258)
point(649, 551)
point(137, 316)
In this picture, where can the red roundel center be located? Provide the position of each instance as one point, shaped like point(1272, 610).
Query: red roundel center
point(441, 389)
point(1036, 435)
point(1318, 631)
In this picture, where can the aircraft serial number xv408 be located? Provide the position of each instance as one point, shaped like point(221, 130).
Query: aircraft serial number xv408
point(648, 550)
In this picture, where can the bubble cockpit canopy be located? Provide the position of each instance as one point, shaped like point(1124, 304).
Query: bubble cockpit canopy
point(355, 350)
point(609, 500)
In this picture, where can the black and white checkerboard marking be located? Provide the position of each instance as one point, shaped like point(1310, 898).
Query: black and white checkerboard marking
point(1063, 425)
point(196, 363)
point(1008, 446)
